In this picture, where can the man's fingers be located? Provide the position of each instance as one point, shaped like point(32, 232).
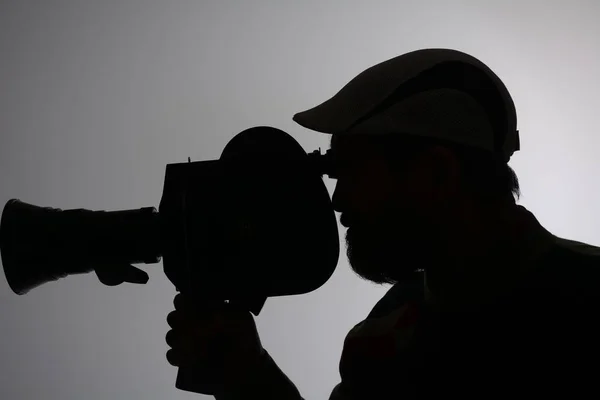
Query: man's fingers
point(182, 340)
point(113, 275)
point(180, 302)
point(185, 348)
point(172, 358)
point(188, 327)
point(108, 275)
point(195, 332)
point(175, 319)
point(179, 358)
point(184, 320)
point(132, 274)
point(171, 338)
point(203, 307)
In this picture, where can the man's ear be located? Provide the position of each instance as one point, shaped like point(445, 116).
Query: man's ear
point(438, 170)
point(445, 169)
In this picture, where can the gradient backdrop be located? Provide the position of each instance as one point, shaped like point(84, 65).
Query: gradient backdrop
point(96, 97)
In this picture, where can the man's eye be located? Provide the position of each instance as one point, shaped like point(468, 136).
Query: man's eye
point(334, 170)
point(333, 173)
point(343, 171)
point(339, 169)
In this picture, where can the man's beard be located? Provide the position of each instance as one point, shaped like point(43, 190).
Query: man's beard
point(390, 250)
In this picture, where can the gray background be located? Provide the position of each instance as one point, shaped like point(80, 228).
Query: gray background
point(96, 97)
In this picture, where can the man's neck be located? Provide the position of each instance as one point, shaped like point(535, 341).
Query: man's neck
point(485, 256)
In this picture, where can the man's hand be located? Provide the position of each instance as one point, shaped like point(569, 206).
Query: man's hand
point(113, 275)
point(222, 340)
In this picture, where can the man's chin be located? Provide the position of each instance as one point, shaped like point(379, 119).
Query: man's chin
point(369, 268)
point(378, 268)
point(373, 278)
point(383, 253)
point(381, 276)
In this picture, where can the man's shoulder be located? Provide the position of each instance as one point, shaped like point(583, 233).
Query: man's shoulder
point(565, 285)
point(572, 265)
point(558, 305)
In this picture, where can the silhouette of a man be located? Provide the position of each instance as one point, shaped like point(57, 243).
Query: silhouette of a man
point(485, 302)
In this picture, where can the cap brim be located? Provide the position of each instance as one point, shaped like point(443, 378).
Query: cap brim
point(371, 87)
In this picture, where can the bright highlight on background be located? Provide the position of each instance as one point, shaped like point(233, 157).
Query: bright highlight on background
point(97, 97)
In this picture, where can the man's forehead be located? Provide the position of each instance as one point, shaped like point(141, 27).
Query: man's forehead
point(344, 141)
point(333, 141)
point(349, 144)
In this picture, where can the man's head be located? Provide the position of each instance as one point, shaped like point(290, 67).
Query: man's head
point(421, 144)
point(403, 197)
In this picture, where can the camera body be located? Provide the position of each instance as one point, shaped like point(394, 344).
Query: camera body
point(254, 224)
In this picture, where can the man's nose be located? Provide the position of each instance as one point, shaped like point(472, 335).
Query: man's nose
point(339, 198)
